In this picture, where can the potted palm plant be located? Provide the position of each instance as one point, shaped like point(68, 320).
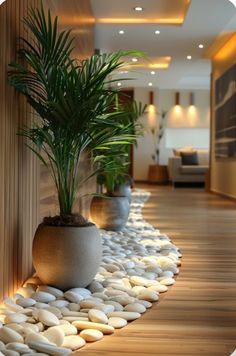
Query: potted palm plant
point(111, 211)
point(158, 173)
point(72, 100)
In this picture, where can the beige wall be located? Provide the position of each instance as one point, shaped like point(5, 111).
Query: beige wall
point(186, 123)
point(223, 172)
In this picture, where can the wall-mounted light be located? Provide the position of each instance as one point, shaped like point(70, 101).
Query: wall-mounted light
point(191, 99)
point(151, 98)
point(177, 96)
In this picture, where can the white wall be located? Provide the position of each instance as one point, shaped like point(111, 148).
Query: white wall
point(189, 124)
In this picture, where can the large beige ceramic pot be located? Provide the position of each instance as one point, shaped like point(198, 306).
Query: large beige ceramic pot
point(110, 213)
point(67, 257)
point(123, 190)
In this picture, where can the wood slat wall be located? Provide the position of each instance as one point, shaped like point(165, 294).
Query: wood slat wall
point(19, 169)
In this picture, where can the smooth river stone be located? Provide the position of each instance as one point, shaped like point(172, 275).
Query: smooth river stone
point(10, 353)
point(117, 306)
point(145, 303)
point(15, 318)
point(32, 327)
point(74, 307)
point(167, 281)
point(101, 296)
point(138, 281)
point(91, 335)
point(16, 327)
point(97, 316)
point(48, 318)
point(55, 311)
point(35, 337)
point(158, 288)
point(135, 307)
point(54, 291)
point(88, 304)
point(105, 308)
point(67, 312)
point(105, 329)
point(49, 349)
point(25, 302)
point(75, 318)
point(95, 287)
point(25, 292)
point(2, 346)
point(117, 322)
point(123, 300)
point(59, 303)
point(148, 295)
point(84, 292)
point(73, 297)
point(111, 268)
point(73, 342)
point(43, 297)
point(68, 329)
point(9, 304)
point(55, 335)
point(8, 335)
point(18, 347)
point(129, 316)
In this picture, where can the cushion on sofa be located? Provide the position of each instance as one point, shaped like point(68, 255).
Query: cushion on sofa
point(177, 151)
point(189, 158)
point(194, 169)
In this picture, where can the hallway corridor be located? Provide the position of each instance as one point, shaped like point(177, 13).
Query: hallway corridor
point(198, 314)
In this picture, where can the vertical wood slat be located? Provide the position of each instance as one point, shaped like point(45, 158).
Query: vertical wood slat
point(19, 178)
point(19, 168)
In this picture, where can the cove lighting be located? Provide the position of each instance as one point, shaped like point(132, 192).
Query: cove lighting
point(189, 57)
point(138, 8)
point(233, 2)
point(121, 32)
point(201, 46)
point(157, 32)
point(150, 84)
point(153, 72)
point(134, 60)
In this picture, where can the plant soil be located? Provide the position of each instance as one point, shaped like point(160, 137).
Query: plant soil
point(73, 220)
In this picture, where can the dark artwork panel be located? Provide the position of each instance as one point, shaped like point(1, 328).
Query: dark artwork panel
point(225, 114)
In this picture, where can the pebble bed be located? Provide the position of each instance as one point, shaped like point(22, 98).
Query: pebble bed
point(138, 264)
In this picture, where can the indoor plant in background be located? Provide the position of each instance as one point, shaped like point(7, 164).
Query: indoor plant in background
point(111, 210)
point(72, 100)
point(158, 173)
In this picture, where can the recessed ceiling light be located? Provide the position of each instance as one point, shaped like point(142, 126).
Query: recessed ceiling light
point(134, 60)
point(153, 72)
point(150, 84)
point(138, 8)
point(121, 32)
point(157, 32)
point(189, 57)
point(201, 46)
point(119, 84)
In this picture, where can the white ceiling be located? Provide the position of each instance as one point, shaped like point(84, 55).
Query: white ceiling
point(204, 21)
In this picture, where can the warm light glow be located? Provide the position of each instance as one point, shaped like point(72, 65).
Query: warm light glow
point(119, 84)
point(1, 2)
point(201, 46)
point(227, 50)
point(121, 32)
point(163, 21)
point(124, 72)
point(150, 84)
point(134, 60)
point(192, 116)
point(189, 57)
point(233, 2)
point(138, 8)
point(153, 72)
point(152, 118)
point(157, 32)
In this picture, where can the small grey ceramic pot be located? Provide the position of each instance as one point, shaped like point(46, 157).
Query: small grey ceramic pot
point(110, 213)
point(67, 257)
point(123, 190)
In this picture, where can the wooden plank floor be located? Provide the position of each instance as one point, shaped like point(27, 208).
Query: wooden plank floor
point(198, 315)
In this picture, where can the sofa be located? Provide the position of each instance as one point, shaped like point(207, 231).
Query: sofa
point(182, 170)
